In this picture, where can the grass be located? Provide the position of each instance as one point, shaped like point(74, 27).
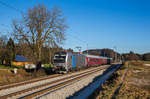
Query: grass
point(136, 84)
point(7, 75)
point(10, 67)
point(108, 89)
point(147, 62)
point(48, 65)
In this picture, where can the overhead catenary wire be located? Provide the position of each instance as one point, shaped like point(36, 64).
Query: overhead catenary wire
point(4, 29)
point(76, 38)
point(82, 41)
point(20, 11)
point(11, 7)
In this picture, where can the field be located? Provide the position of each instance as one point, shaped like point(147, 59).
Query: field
point(131, 81)
point(7, 75)
point(9, 67)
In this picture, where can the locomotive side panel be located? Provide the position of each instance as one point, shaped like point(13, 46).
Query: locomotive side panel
point(69, 62)
point(73, 61)
point(79, 61)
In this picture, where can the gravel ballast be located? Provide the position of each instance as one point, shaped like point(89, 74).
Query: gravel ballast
point(70, 89)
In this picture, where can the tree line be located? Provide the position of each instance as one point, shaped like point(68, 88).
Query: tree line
point(114, 55)
point(135, 56)
point(9, 49)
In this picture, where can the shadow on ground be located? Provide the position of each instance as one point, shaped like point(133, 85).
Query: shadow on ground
point(95, 79)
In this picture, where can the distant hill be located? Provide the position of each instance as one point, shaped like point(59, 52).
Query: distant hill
point(135, 56)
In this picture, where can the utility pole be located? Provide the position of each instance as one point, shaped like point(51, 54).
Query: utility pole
point(87, 49)
point(79, 48)
point(115, 49)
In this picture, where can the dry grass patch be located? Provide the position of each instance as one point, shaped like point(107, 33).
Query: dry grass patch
point(140, 79)
point(129, 91)
point(107, 90)
point(136, 84)
point(7, 76)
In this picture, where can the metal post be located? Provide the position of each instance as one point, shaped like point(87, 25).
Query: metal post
point(104, 53)
point(87, 49)
point(115, 49)
point(79, 48)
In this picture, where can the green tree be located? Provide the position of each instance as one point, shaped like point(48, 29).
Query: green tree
point(3, 42)
point(11, 53)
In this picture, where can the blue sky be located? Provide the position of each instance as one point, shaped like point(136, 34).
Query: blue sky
point(98, 23)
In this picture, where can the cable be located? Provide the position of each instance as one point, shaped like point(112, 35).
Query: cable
point(76, 39)
point(81, 41)
point(18, 10)
point(73, 36)
point(11, 7)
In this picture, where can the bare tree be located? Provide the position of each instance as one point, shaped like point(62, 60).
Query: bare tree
point(40, 27)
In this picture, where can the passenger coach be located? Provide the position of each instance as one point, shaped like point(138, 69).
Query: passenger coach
point(95, 60)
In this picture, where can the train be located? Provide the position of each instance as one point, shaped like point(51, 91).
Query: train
point(67, 61)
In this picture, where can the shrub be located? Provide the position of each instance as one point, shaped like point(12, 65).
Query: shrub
point(48, 65)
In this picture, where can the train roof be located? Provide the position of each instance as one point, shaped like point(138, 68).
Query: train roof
point(79, 54)
point(93, 56)
point(87, 55)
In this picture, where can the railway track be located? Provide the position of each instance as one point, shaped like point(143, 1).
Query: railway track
point(28, 81)
point(50, 86)
point(31, 81)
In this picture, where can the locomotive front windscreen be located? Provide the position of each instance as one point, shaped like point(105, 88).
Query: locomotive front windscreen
point(59, 57)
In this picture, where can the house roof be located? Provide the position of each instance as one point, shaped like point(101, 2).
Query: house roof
point(20, 58)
